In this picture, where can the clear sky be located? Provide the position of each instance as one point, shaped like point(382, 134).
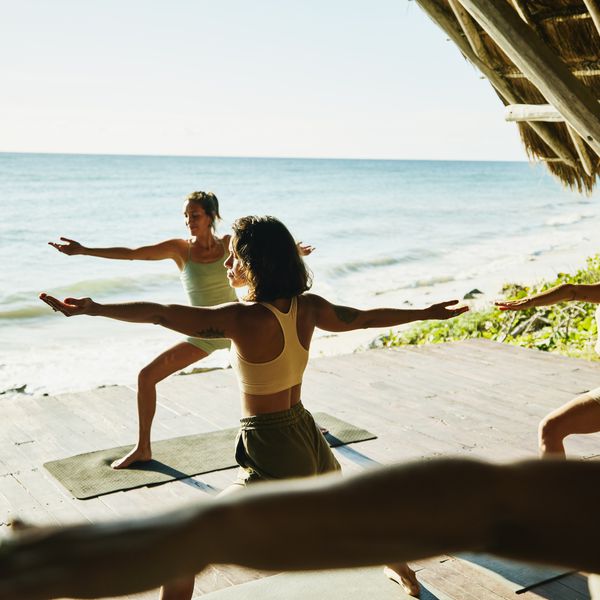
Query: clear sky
point(314, 78)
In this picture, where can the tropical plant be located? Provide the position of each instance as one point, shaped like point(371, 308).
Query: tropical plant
point(568, 328)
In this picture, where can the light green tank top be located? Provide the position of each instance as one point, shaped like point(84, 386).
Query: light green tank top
point(206, 284)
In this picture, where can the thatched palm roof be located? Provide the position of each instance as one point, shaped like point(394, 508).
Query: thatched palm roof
point(543, 59)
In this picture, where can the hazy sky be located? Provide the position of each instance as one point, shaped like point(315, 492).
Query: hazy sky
point(319, 78)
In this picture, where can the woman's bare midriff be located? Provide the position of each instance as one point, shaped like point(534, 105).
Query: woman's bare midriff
point(269, 403)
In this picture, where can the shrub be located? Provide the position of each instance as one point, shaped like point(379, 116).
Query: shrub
point(568, 328)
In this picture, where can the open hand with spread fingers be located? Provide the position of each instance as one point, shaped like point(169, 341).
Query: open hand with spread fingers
point(441, 310)
point(71, 247)
point(69, 306)
point(522, 304)
point(305, 249)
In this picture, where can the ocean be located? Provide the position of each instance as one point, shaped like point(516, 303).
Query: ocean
point(387, 233)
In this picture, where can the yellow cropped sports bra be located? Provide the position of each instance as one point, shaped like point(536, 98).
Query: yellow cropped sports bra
point(281, 373)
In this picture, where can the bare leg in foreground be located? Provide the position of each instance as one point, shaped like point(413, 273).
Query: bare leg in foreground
point(579, 416)
point(183, 588)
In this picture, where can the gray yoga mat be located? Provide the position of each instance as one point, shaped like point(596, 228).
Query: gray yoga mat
point(370, 582)
point(342, 584)
point(90, 475)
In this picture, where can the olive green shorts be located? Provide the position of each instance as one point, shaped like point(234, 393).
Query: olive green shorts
point(282, 445)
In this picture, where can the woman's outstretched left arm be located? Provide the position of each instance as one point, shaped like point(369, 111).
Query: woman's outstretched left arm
point(204, 322)
point(332, 317)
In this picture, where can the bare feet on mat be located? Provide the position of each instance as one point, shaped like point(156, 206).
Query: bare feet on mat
point(322, 429)
point(136, 455)
point(403, 575)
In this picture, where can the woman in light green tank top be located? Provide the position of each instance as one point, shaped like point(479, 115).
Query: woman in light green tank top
point(200, 260)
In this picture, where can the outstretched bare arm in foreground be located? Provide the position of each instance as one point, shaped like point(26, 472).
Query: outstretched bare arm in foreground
point(455, 505)
point(565, 292)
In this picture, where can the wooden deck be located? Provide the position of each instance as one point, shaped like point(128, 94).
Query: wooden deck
point(472, 398)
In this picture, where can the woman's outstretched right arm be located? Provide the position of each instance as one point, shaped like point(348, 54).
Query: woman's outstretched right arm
point(174, 249)
point(221, 321)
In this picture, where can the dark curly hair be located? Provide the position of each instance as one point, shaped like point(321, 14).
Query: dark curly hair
point(209, 203)
point(273, 266)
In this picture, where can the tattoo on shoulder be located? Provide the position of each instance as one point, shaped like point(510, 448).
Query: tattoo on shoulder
point(345, 314)
point(210, 333)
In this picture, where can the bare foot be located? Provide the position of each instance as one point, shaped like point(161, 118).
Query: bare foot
point(19, 525)
point(322, 429)
point(403, 575)
point(136, 455)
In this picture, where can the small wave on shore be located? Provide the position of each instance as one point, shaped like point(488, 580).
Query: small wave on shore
point(25, 312)
point(356, 266)
point(25, 305)
point(568, 219)
point(20, 389)
point(418, 283)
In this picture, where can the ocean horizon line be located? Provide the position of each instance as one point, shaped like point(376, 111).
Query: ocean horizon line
point(265, 157)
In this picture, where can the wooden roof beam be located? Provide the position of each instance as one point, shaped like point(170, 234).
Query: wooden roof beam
point(525, 13)
point(448, 25)
point(547, 113)
point(465, 20)
point(532, 112)
point(582, 151)
point(571, 13)
point(576, 73)
point(582, 16)
point(521, 8)
point(541, 66)
point(594, 9)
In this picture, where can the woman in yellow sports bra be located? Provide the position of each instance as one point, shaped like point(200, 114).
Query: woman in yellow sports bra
point(204, 278)
point(271, 331)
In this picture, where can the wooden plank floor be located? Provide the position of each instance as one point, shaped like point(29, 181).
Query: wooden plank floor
point(473, 398)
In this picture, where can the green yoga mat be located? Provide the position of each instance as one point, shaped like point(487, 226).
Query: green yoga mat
point(90, 475)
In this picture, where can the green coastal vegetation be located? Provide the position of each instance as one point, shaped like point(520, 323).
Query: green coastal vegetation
point(568, 328)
